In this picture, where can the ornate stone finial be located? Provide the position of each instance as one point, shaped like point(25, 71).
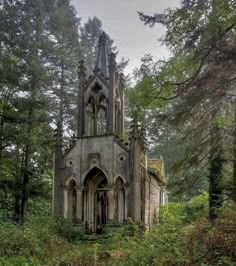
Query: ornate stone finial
point(81, 88)
point(58, 136)
point(102, 39)
point(122, 80)
point(72, 140)
point(101, 65)
point(138, 133)
point(142, 137)
point(81, 70)
point(134, 133)
point(112, 61)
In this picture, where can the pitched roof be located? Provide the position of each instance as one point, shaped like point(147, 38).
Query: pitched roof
point(157, 169)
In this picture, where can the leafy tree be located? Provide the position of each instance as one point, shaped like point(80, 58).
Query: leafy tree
point(63, 58)
point(199, 79)
point(39, 56)
point(31, 98)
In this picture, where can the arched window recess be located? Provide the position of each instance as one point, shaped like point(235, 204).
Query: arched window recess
point(120, 200)
point(71, 200)
point(90, 117)
point(102, 116)
point(96, 88)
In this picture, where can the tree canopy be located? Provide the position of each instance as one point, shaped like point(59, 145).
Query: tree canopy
point(194, 90)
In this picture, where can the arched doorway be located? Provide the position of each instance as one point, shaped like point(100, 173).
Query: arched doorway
point(120, 200)
point(71, 200)
point(95, 200)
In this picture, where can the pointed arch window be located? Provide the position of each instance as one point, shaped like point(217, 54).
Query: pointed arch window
point(120, 200)
point(90, 117)
point(72, 200)
point(102, 116)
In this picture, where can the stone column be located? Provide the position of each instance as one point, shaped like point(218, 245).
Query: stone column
point(121, 205)
point(126, 203)
point(111, 202)
point(79, 204)
point(65, 202)
point(80, 105)
point(85, 203)
point(90, 210)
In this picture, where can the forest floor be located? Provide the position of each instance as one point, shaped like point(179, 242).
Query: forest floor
point(185, 238)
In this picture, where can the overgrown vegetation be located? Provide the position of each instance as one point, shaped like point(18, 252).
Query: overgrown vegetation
point(186, 103)
point(185, 237)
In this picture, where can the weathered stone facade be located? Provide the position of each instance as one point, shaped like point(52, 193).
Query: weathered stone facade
point(100, 179)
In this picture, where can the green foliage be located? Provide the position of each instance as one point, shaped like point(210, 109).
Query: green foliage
point(19, 261)
point(39, 207)
point(184, 237)
point(67, 229)
point(39, 241)
point(38, 62)
point(197, 208)
point(192, 91)
point(24, 240)
point(180, 213)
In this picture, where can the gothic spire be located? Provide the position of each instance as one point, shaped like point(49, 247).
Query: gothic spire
point(102, 55)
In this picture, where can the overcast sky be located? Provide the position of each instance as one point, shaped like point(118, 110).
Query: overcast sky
point(120, 20)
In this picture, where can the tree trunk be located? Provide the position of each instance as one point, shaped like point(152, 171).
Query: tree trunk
point(2, 125)
point(215, 175)
point(18, 188)
point(1, 135)
point(234, 157)
point(27, 170)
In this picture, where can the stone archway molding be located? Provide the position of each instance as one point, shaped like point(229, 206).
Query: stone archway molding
point(92, 208)
point(68, 180)
point(90, 168)
point(122, 178)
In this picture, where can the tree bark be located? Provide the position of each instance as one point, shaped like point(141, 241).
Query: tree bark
point(18, 189)
point(27, 170)
point(215, 175)
point(234, 157)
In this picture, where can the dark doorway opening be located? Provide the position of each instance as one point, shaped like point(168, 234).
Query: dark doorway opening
point(95, 201)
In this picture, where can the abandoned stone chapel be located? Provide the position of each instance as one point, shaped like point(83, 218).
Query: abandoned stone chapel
point(101, 179)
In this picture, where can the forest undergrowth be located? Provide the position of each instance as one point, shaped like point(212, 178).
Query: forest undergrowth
point(183, 237)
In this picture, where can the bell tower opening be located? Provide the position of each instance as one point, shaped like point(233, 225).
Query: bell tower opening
point(102, 116)
point(100, 105)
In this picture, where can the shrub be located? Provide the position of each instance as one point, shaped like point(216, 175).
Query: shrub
point(176, 213)
point(197, 208)
point(185, 238)
point(19, 261)
point(67, 229)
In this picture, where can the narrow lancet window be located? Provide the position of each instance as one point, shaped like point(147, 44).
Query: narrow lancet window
point(101, 116)
point(90, 115)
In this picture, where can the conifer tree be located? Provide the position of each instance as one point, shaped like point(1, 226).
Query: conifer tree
point(39, 41)
point(198, 80)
